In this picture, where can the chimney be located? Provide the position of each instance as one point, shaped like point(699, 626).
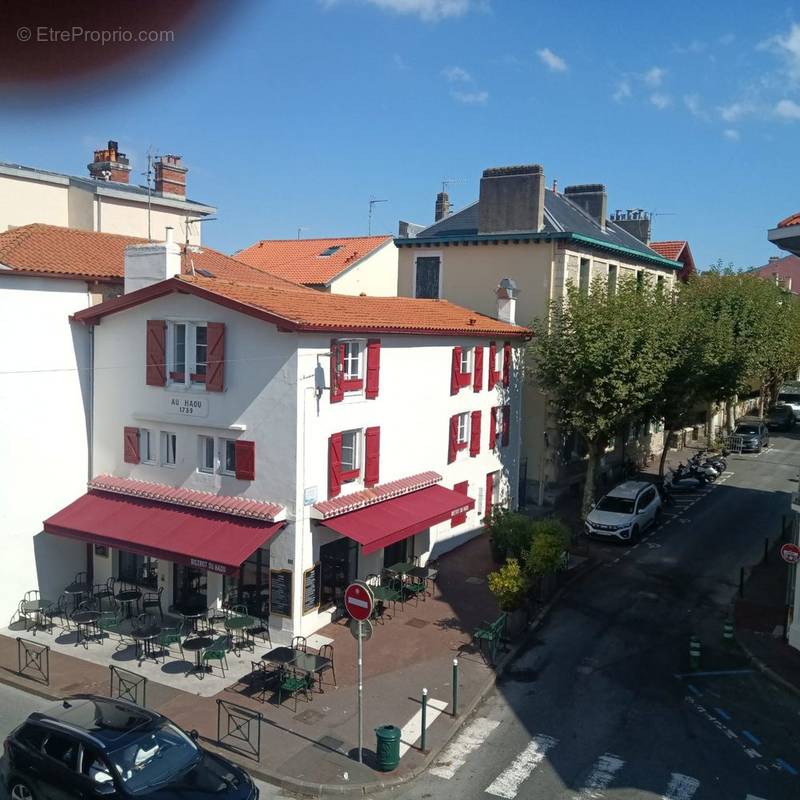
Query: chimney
point(442, 206)
point(506, 293)
point(635, 221)
point(774, 258)
point(170, 176)
point(592, 198)
point(110, 164)
point(146, 264)
point(512, 199)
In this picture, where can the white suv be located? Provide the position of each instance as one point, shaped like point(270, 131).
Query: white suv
point(625, 512)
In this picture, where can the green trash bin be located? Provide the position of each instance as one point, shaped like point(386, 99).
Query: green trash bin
point(388, 747)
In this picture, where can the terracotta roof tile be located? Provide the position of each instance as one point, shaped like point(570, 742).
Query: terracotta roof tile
point(792, 219)
point(301, 260)
point(670, 250)
point(53, 250)
point(207, 501)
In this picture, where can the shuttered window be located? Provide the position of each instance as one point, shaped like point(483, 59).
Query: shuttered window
point(334, 465)
point(372, 447)
point(131, 445)
point(506, 425)
point(373, 368)
point(475, 434)
point(506, 363)
point(336, 371)
point(493, 374)
point(477, 370)
point(459, 519)
point(245, 459)
point(156, 353)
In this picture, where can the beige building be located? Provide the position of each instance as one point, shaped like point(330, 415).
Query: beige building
point(105, 201)
point(541, 239)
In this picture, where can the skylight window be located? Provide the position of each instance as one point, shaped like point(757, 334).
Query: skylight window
point(205, 273)
point(329, 251)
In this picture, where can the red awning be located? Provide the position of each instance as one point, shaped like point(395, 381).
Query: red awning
point(388, 522)
point(201, 539)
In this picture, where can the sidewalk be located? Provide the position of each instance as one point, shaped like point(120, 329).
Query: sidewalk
point(311, 751)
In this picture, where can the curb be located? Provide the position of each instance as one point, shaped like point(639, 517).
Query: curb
point(768, 671)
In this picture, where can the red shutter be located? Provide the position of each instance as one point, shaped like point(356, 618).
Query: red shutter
point(487, 512)
point(215, 371)
point(455, 371)
point(452, 444)
point(493, 428)
point(492, 380)
point(506, 424)
point(461, 488)
point(373, 368)
point(131, 447)
point(506, 363)
point(475, 434)
point(337, 367)
point(245, 455)
point(372, 460)
point(156, 352)
point(334, 465)
point(477, 378)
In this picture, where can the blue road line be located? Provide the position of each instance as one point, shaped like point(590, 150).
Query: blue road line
point(714, 673)
point(693, 689)
point(723, 714)
point(752, 738)
point(783, 765)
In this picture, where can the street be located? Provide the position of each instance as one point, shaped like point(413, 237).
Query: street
point(599, 705)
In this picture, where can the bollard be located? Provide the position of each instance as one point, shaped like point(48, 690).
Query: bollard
point(727, 633)
point(424, 737)
point(455, 687)
point(694, 653)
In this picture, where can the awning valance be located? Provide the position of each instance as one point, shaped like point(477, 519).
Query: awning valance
point(201, 539)
point(388, 522)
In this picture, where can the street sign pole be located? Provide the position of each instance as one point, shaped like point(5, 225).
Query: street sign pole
point(360, 692)
point(359, 602)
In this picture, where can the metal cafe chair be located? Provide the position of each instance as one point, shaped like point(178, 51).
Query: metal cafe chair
point(300, 643)
point(217, 651)
point(326, 651)
point(60, 609)
point(101, 593)
point(292, 683)
point(153, 600)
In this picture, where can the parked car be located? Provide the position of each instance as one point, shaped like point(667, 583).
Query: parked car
point(789, 394)
point(754, 434)
point(625, 512)
point(88, 746)
point(780, 417)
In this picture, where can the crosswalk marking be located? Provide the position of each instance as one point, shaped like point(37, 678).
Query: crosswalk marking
point(507, 783)
point(456, 753)
point(603, 772)
point(681, 787)
point(753, 797)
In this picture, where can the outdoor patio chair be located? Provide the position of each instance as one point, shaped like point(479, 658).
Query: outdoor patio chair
point(167, 637)
point(215, 617)
point(326, 651)
point(413, 587)
point(300, 643)
point(21, 615)
point(61, 610)
point(261, 628)
point(263, 677)
point(112, 622)
point(217, 651)
point(103, 595)
point(292, 683)
point(153, 600)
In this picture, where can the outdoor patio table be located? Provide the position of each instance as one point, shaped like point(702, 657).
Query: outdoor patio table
point(76, 591)
point(193, 612)
point(195, 645)
point(311, 662)
point(386, 594)
point(240, 624)
point(36, 607)
point(401, 568)
point(144, 636)
point(281, 655)
point(427, 574)
point(83, 621)
point(127, 597)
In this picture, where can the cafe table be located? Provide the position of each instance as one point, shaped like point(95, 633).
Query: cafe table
point(426, 574)
point(401, 567)
point(76, 590)
point(282, 656)
point(312, 663)
point(144, 636)
point(126, 598)
point(37, 608)
point(238, 628)
point(193, 612)
point(196, 644)
point(83, 621)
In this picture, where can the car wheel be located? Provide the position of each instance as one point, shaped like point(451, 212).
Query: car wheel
point(18, 790)
point(635, 533)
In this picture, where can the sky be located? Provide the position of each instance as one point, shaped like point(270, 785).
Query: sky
point(292, 114)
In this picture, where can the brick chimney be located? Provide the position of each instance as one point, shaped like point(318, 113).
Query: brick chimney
point(442, 206)
point(110, 164)
point(512, 199)
point(592, 198)
point(170, 176)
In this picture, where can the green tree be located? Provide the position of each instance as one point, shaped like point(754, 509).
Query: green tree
point(547, 549)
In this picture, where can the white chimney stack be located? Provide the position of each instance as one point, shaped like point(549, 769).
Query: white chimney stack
point(506, 294)
point(146, 264)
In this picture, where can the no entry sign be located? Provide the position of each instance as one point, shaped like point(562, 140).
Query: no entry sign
point(790, 553)
point(358, 600)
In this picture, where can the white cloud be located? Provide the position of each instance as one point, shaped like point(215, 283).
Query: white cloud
point(734, 111)
point(731, 133)
point(456, 75)
point(428, 10)
point(660, 100)
point(695, 106)
point(551, 60)
point(788, 109)
point(787, 47)
point(622, 90)
point(471, 98)
point(654, 76)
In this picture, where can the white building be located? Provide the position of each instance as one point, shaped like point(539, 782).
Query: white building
point(315, 438)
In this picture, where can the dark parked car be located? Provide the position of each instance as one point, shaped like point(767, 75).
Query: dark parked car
point(780, 417)
point(87, 746)
point(753, 432)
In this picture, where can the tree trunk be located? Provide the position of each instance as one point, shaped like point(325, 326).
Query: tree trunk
point(662, 464)
point(588, 487)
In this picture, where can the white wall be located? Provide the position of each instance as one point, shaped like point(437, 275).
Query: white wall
point(129, 218)
point(25, 201)
point(375, 275)
point(43, 438)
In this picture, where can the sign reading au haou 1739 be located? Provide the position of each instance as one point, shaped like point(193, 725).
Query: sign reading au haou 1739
point(190, 406)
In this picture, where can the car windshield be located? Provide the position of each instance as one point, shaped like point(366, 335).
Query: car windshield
point(746, 429)
point(155, 758)
point(616, 505)
point(789, 398)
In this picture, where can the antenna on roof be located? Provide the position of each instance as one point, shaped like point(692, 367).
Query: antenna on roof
point(447, 181)
point(372, 201)
point(149, 178)
point(300, 229)
point(189, 222)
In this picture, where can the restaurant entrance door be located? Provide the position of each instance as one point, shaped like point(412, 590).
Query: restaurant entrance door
point(188, 586)
point(338, 565)
point(249, 586)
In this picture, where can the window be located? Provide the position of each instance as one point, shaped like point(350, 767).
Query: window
point(462, 435)
point(329, 251)
point(169, 448)
point(62, 749)
point(206, 461)
point(427, 277)
point(584, 277)
point(200, 353)
point(93, 767)
point(351, 455)
point(32, 736)
point(660, 282)
point(178, 371)
point(227, 449)
point(138, 570)
point(466, 361)
point(147, 450)
point(188, 362)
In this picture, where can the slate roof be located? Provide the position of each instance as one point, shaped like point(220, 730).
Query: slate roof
point(301, 260)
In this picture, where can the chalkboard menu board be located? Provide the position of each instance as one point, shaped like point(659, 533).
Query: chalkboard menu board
point(311, 588)
point(280, 592)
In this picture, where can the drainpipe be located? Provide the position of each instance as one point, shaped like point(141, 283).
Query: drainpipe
point(90, 420)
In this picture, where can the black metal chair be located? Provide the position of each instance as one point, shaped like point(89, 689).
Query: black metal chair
point(261, 629)
point(300, 643)
point(326, 651)
point(61, 610)
point(103, 596)
point(153, 600)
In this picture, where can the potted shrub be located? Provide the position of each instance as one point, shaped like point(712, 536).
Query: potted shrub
point(545, 556)
point(509, 534)
point(509, 586)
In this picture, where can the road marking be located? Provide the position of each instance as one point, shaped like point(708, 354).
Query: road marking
point(723, 714)
point(507, 783)
point(412, 730)
point(693, 689)
point(681, 787)
point(456, 753)
point(603, 772)
point(721, 727)
point(788, 767)
point(748, 735)
point(753, 797)
point(714, 673)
